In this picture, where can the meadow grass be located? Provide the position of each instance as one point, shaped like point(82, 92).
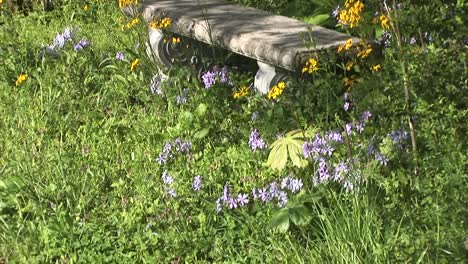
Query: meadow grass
point(80, 181)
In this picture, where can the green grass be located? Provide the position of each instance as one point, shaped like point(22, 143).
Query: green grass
point(79, 181)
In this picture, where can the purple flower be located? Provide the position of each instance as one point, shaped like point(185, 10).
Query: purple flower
point(209, 79)
point(348, 128)
point(255, 141)
point(231, 202)
point(307, 149)
point(336, 11)
point(335, 136)
point(242, 199)
point(348, 185)
point(120, 56)
point(223, 75)
point(360, 127)
point(59, 42)
point(196, 185)
point(386, 39)
point(264, 195)
point(225, 196)
point(167, 147)
point(182, 146)
point(412, 41)
point(219, 205)
point(381, 159)
point(322, 172)
point(295, 185)
point(81, 44)
point(282, 199)
point(172, 193)
point(166, 178)
point(366, 115)
point(162, 158)
point(67, 33)
point(346, 106)
point(255, 194)
point(398, 136)
point(340, 170)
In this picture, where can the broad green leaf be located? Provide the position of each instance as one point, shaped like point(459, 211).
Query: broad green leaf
point(317, 20)
point(299, 215)
point(202, 133)
point(278, 157)
point(280, 221)
point(295, 154)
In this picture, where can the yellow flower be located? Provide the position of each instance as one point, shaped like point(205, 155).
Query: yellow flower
point(85, 7)
point(163, 23)
point(311, 66)
point(21, 78)
point(349, 80)
point(376, 67)
point(384, 21)
point(175, 40)
point(124, 3)
point(349, 65)
point(133, 22)
point(365, 53)
point(241, 93)
point(134, 64)
point(276, 90)
point(347, 46)
point(352, 14)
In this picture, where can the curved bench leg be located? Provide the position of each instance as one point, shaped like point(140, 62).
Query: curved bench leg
point(267, 77)
point(157, 48)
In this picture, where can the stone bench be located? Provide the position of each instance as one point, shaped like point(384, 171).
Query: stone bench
point(273, 41)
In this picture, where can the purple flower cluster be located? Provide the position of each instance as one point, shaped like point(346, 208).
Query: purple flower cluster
point(178, 146)
point(196, 185)
point(155, 85)
point(183, 98)
point(398, 137)
point(373, 151)
point(60, 40)
point(209, 78)
point(81, 44)
point(231, 201)
point(255, 141)
point(272, 192)
point(319, 147)
point(340, 174)
point(168, 180)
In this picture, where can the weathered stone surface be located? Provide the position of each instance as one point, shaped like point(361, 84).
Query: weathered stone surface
point(253, 33)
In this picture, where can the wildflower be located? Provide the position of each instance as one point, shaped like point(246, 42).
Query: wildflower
point(209, 79)
point(120, 56)
point(124, 3)
point(340, 170)
point(21, 78)
point(335, 136)
point(365, 53)
point(376, 67)
point(276, 90)
point(255, 194)
point(398, 136)
point(196, 185)
point(166, 178)
point(310, 66)
point(85, 8)
point(182, 146)
point(360, 127)
point(347, 46)
point(428, 37)
point(386, 39)
point(223, 75)
point(412, 41)
point(384, 22)
point(254, 116)
point(81, 44)
point(352, 14)
point(349, 65)
point(295, 185)
point(264, 195)
point(162, 23)
point(134, 64)
point(225, 192)
point(255, 141)
point(172, 193)
point(219, 205)
point(336, 11)
point(366, 115)
point(282, 199)
point(242, 199)
point(348, 128)
point(232, 203)
point(322, 171)
point(381, 159)
point(346, 106)
point(133, 22)
point(241, 93)
point(175, 40)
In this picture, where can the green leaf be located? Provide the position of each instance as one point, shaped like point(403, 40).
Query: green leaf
point(317, 20)
point(280, 221)
point(278, 157)
point(202, 133)
point(299, 214)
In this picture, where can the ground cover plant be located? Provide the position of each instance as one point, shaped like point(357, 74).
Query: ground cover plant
point(359, 158)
